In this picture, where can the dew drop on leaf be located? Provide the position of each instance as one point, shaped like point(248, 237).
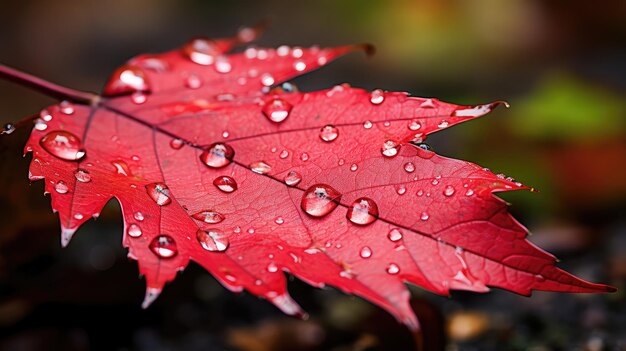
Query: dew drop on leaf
point(164, 246)
point(212, 240)
point(293, 178)
point(126, 79)
point(201, 51)
point(363, 211)
point(299, 66)
point(138, 216)
point(63, 145)
point(272, 268)
point(134, 231)
point(377, 97)
point(443, 124)
point(393, 268)
point(176, 144)
point(319, 200)
point(354, 167)
point(193, 81)
point(217, 155)
point(365, 252)
point(82, 175)
point(448, 190)
point(414, 125)
point(329, 133)
point(283, 154)
point(394, 234)
point(409, 167)
point(138, 98)
point(401, 190)
point(222, 65)
point(469, 192)
point(424, 216)
point(260, 167)
point(267, 79)
point(66, 108)
point(61, 188)
point(208, 216)
point(159, 193)
point(121, 167)
point(390, 148)
point(277, 110)
point(304, 156)
point(279, 220)
point(225, 183)
point(367, 124)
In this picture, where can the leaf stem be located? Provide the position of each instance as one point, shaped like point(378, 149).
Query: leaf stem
point(46, 87)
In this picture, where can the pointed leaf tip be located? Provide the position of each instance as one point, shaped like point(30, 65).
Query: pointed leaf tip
point(66, 235)
point(151, 295)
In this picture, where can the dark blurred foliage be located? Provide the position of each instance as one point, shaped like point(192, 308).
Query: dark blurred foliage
point(559, 63)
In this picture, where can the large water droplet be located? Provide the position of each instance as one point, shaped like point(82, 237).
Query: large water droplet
point(272, 268)
point(394, 235)
point(366, 252)
point(61, 188)
point(319, 200)
point(390, 148)
point(377, 97)
point(448, 191)
point(126, 79)
point(201, 51)
point(329, 133)
point(293, 178)
point(208, 216)
point(63, 145)
point(164, 246)
point(159, 192)
point(260, 167)
point(213, 240)
point(409, 167)
point(225, 183)
point(401, 190)
point(363, 211)
point(134, 231)
point(82, 175)
point(218, 155)
point(393, 268)
point(276, 110)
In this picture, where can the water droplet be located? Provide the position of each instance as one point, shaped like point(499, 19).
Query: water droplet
point(469, 192)
point(354, 167)
point(299, 66)
point(61, 187)
point(390, 148)
point(393, 269)
point(121, 167)
point(66, 108)
point(424, 216)
point(293, 178)
point(409, 167)
point(304, 156)
point(250, 230)
point(218, 155)
point(164, 246)
point(420, 193)
point(319, 200)
point(363, 211)
point(45, 115)
point(222, 65)
point(394, 234)
point(267, 79)
point(176, 144)
point(63, 145)
point(401, 190)
point(126, 79)
point(78, 216)
point(201, 51)
point(428, 103)
point(435, 182)
point(443, 124)
point(284, 154)
point(377, 97)
point(279, 220)
point(82, 175)
point(159, 192)
point(448, 191)
point(366, 252)
point(272, 268)
point(329, 133)
point(367, 124)
point(208, 216)
point(138, 98)
point(8, 128)
point(134, 231)
point(260, 167)
point(225, 184)
point(212, 240)
point(225, 134)
point(414, 125)
point(40, 125)
point(193, 81)
point(277, 110)
point(138, 216)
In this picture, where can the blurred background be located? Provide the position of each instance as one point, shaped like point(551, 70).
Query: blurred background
point(560, 64)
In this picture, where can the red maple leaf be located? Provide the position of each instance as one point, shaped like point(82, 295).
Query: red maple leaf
point(211, 164)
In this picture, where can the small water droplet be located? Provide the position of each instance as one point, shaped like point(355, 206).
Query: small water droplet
point(284, 154)
point(304, 156)
point(138, 98)
point(414, 125)
point(319, 200)
point(267, 79)
point(138, 216)
point(225, 134)
point(409, 167)
point(134, 231)
point(367, 124)
point(363, 211)
point(277, 110)
point(176, 144)
point(217, 155)
point(159, 192)
point(78, 216)
point(193, 81)
point(66, 108)
point(299, 66)
point(279, 220)
point(428, 103)
point(63, 145)
point(469, 192)
point(394, 234)
point(393, 269)
point(201, 51)
point(40, 125)
point(390, 148)
point(222, 65)
point(61, 187)
point(250, 230)
point(212, 240)
point(260, 167)
point(293, 178)
point(329, 133)
point(121, 167)
point(82, 175)
point(126, 79)
point(443, 124)
point(424, 216)
point(164, 246)
point(401, 190)
point(420, 193)
point(225, 183)
point(208, 216)
point(377, 97)
point(435, 182)
point(45, 115)
point(272, 268)
point(354, 167)
point(366, 252)
point(448, 191)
